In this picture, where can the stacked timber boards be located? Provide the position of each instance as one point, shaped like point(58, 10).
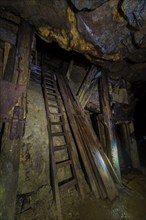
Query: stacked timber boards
point(100, 174)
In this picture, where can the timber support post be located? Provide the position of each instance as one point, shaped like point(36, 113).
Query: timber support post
point(13, 130)
point(133, 146)
point(108, 121)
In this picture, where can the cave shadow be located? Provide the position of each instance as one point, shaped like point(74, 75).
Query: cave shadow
point(140, 129)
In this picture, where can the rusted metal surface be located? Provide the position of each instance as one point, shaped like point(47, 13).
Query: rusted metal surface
point(9, 95)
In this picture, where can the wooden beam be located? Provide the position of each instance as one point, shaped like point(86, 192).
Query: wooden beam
point(70, 113)
point(95, 166)
point(86, 83)
point(11, 142)
point(1, 62)
point(8, 31)
point(70, 66)
point(133, 146)
point(125, 144)
point(9, 16)
point(10, 64)
point(102, 134)
point(88, 93)
point(108, 121)
point(7, 48)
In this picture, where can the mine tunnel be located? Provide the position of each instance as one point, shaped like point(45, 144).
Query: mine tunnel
point(73, 110)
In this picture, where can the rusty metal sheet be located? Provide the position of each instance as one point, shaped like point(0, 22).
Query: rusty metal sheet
point(9, 95)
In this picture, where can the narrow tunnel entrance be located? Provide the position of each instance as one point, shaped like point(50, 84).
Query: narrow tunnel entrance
point(140, 121)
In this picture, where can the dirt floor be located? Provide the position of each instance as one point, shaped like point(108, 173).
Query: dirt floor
point(35, 200)
point(130, 205)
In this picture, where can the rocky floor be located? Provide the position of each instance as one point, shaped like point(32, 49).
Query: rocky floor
point(130, 205)
point(35, 199)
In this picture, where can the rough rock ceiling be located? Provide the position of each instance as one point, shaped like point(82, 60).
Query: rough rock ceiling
point(111, 33)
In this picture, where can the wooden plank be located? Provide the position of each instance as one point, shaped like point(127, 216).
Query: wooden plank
point(108, 120)
point(86, 134)
point(70, 112)
point(9, 16)
point(133, 146)
point(71, 152)
point(86, 83)
point(125, 145)
point(8, 31)
point(88, 93)
point(98, 160)
point(86, 144)
point(10, 64)
point(7, 47)
point(79, 110)
point(71, 63)
point(10, 150)
point(66, 185)
point(104, 156)
point(101, 129)
point(1, 62)
point(63, 163)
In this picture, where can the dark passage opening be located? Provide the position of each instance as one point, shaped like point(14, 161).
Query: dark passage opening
point(140, 120)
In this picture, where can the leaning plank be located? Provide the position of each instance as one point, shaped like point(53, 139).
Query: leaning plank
point(70, 112)
point(108, 120)
point(100, 165)
point(89, 147)
point(96, 173)
point(86, 83)
point(79, 110)
point(133, 146)
point(101, 128)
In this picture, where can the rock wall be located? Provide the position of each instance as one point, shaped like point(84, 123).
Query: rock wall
point(34, 199)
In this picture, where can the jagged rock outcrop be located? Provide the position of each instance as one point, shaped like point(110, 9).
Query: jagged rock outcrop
point(102, 30)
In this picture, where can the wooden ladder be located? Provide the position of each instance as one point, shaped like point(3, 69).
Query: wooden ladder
point(55, 117)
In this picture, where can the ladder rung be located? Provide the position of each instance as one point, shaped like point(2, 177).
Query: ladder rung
point(60, 147)
point(57, 134)
point(53, 106)
point(55, 114)
point(50, 80)
point(57, 123)
point(47, 72)
point(63, 163)
point(47, 77)
point(67, 184)
point(51, 88)
point(51, 93)
point(50, 84)
point(51, 99)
